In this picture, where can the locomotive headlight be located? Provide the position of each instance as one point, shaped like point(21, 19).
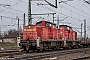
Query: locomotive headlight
point(60, 32)
point(38, 37)
point(29, 26)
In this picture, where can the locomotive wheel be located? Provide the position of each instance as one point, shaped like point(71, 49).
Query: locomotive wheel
point(24, 47)
point(27, 49)
point(54, 48)
point(38, 50)
point(46, 48)
point(57, 48)
point(33, 50)
point(66, 48)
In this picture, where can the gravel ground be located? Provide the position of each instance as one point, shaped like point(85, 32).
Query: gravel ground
point(70, 56)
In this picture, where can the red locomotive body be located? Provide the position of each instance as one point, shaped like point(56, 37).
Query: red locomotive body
point(45, 35)
point(47, 30)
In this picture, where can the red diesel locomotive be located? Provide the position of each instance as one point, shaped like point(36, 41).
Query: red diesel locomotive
point(46, 35)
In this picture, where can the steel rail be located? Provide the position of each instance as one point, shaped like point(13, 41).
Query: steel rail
point(39, 56)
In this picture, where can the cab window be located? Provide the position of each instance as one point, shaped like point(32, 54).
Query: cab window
point(40, 24)
point(48, 24)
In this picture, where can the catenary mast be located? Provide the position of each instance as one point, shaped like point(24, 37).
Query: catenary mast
point(29, 13)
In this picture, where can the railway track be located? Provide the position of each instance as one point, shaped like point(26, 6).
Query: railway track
point(39, 56)
point(10, 52)
point(82, 58)
point(16, 55)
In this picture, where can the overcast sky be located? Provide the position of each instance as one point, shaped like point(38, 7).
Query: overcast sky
point(76, 11)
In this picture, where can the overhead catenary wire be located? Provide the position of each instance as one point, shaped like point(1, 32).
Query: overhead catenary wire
point(20, 11)
point(56, 11)
point(9, 17)
point(13, 8)
point(64, 14)
point(84, 5)
point(77, 9)
point(37, 7)
point(35, 4)
point(3, 11)
point(75, 12)
point(16, 10)
point(10, 12)
point(78, 14)
point(71, 14)
point(11, 5)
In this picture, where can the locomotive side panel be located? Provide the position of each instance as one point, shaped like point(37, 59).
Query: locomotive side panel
point(39, 32)
point(66, 35)
point(29, 32)
point(44, 33)
point(70, 34)
point(55, 34)
point(75, 35)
